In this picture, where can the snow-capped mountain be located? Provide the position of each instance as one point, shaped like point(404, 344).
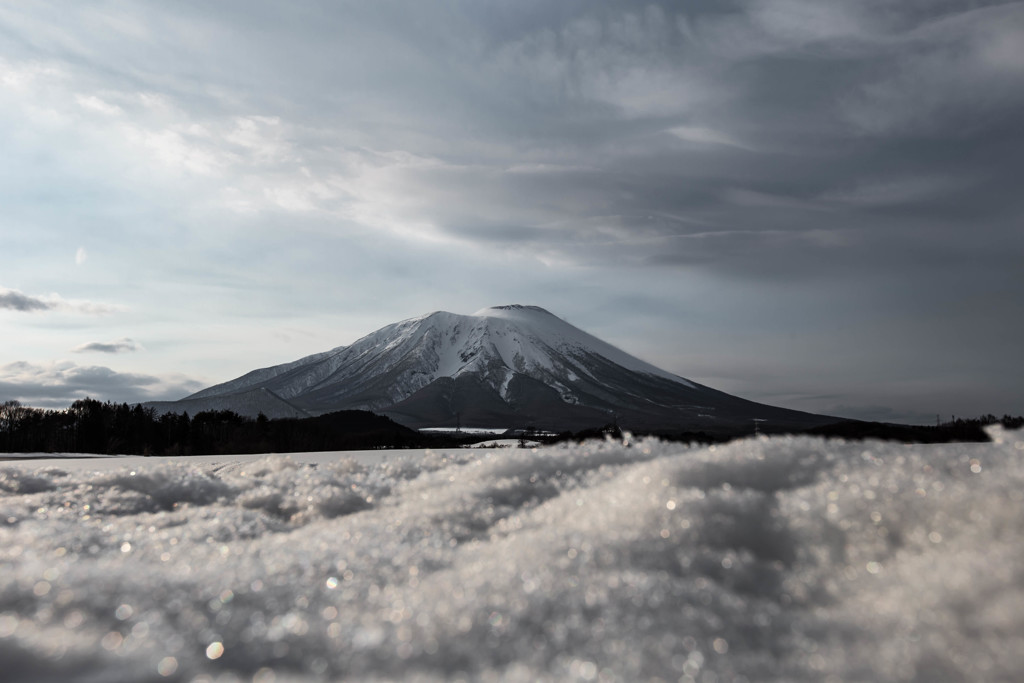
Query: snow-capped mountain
point(507, 366)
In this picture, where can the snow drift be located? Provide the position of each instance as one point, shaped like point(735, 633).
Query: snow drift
point(786, 559)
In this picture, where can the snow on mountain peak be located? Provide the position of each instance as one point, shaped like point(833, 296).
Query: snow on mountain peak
point(504, 365)
point(493, 347)
point(505, 310)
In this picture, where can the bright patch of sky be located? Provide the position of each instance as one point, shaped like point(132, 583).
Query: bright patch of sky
point(813, 204)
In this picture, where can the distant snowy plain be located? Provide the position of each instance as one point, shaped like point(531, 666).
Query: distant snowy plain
point(782, 559)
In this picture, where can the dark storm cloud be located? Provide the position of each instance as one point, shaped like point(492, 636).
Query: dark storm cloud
point(706, 133)
point(602, 131)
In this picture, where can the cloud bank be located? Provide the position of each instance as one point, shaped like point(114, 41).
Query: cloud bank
point(58, 384)
point(672, 136)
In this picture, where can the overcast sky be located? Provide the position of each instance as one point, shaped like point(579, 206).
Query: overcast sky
point(817, 204)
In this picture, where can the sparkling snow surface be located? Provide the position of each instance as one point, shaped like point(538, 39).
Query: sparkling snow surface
point(762, 560)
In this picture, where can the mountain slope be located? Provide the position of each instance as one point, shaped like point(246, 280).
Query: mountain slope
point(249, 402)
point(508, 366)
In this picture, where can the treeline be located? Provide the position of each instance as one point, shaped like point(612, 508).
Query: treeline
point(956, 430)
point(90, 426)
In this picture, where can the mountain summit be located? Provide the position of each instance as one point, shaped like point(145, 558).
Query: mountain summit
point(506, 366)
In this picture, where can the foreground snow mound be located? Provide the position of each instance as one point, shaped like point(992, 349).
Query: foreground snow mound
point(774, 559)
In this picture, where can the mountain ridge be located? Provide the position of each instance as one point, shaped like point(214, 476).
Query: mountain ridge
point(511, 366)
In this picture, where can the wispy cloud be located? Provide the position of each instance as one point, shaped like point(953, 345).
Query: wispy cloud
point(123, 345)
point(94, 103)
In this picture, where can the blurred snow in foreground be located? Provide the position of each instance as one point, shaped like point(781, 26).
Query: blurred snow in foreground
point(787, 559)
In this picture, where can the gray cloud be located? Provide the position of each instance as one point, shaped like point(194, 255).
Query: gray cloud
point(60, 384)
point(811, 93)
point(16, 301)
point(12, 299)
point(120, 346)
point(564, 130)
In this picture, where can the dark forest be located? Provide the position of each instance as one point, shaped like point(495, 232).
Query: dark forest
point(90, 426)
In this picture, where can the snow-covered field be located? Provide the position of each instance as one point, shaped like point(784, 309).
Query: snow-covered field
point(762, 560)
